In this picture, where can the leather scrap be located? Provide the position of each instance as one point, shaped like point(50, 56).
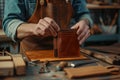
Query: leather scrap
point(89, 71)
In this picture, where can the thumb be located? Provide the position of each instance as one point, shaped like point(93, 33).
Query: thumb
point(75, 26)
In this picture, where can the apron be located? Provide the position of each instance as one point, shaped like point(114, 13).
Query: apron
point(60, 10)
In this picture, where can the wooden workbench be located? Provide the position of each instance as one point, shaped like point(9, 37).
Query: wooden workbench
point(33, 72)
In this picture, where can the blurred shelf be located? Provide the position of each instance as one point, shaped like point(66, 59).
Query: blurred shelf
point(103, 37)
point(93, 6)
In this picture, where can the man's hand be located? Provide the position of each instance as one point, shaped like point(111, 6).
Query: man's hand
point(83, 30)
point(46, 27)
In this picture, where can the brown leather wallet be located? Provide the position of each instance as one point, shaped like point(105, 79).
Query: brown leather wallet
point(66, 44)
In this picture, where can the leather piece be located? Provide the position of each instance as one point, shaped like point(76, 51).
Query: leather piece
point(36, 43)
point(67, 44)
point(90, 71)
point(48, 55)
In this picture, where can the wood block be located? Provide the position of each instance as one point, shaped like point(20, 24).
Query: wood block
point(20, 66)
point(5, 58)
point(6, 68)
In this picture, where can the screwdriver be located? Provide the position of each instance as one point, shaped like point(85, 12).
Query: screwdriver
point(64, 64)
point(77, 64)
point(61, 65)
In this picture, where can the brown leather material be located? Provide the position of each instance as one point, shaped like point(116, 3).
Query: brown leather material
point(90, 71)
point(36, 43)
point(48, 55)
point(66, 44)
point(60, 10)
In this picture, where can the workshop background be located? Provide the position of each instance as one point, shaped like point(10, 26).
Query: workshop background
point(99, 55)
point(106, 17)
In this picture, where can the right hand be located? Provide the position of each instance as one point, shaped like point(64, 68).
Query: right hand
point(46, 27)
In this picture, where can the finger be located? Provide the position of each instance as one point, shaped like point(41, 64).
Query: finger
point(75, 26)
point(42, 24)
point(55, 26)
point(81, 28)
point(50, 28)
point(53, 23)
point(44, 28)
point(53, 32)
point(82, 33)
point(84, 38)
point(39, 31)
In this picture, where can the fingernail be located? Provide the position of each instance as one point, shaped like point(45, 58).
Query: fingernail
point(80, 43)
point(72, 27)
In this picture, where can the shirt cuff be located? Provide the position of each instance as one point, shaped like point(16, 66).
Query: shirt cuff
point(12, 29)
point(86, 16)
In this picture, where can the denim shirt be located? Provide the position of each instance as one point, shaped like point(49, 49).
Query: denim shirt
point(17, 12)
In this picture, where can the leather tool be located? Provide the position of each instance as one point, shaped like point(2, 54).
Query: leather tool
point(61, 66)
point(44, 67)
point(78, 64)
point(64, 64)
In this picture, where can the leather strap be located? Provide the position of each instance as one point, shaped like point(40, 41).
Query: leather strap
point(60, 10)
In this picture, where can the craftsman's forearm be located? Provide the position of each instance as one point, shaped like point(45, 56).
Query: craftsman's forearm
point(25, 30)
point(87, 19)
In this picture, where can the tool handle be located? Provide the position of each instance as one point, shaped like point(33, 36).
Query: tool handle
point(61, 65)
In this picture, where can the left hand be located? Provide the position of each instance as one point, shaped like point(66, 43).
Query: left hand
point(83, 30)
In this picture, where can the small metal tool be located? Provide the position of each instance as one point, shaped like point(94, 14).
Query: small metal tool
point(64, 64)
point(44, 67)
point(77, 64)
point(61, 65)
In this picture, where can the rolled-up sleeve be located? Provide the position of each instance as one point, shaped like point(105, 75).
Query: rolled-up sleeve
point(81, 11)
point(14, 15)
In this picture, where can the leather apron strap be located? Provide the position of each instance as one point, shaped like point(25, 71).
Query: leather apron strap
point(60, 10)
